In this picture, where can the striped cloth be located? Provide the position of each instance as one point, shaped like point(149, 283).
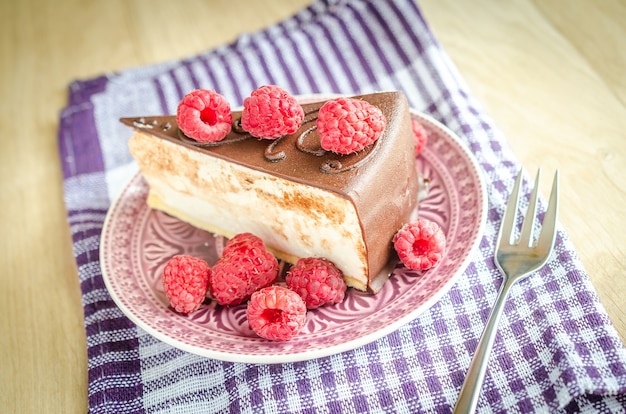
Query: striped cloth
point(556, 349)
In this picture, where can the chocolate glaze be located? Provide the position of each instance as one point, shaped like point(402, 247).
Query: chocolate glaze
point(380, 180)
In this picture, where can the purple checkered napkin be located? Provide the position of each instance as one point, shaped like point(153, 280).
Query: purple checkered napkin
point(556, 350)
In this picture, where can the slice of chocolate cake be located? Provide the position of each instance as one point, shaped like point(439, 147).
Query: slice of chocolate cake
point(301, 200)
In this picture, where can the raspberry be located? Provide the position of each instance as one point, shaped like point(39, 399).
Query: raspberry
point(347, 125)
point(276, 313)
point(186, 280)
point(271, 112)
point(245, 266)
point(242, 241)
point(420, 244)
point(204, 115)
point(317, 281)
point(419, 135)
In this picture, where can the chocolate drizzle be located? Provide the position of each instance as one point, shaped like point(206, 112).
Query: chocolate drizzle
point(272, 156)
point(143, 123)
point(302, 146)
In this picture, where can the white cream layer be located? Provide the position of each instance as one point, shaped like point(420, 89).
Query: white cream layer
point(293, 219)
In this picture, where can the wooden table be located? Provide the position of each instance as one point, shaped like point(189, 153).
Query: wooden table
point(551, 73)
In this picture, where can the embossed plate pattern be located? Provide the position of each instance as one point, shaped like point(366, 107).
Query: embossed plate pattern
point(137, 241)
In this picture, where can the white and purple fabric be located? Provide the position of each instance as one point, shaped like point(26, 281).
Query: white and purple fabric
point(556, 350)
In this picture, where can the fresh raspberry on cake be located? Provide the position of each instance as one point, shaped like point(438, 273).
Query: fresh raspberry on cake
point(347, 125)
point(420, 245)
point(245, 266)
point(276, 313)
point(186, 281)
point(204, 115)
point(419, 135)
point(317, 281)
point(271, 112)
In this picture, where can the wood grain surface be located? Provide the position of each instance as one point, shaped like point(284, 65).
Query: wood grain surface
point(551, 73)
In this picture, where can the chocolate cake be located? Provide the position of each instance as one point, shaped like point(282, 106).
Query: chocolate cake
point(301, 200)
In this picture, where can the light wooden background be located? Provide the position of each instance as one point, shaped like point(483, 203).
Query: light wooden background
point(551, 73)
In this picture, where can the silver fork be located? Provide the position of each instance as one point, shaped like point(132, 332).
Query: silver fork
point(516, 258)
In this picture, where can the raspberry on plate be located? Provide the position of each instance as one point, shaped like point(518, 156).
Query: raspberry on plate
point(419, 135)
point(242, 241)
point(420, 244)
point(276, 313)
point(347, 125)
point(204, 115)
point(245, 266)
point(317, 281)
point(186, 281)
point(271, 112)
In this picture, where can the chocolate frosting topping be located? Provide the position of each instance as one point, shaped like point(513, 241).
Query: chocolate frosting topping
point(305, 140)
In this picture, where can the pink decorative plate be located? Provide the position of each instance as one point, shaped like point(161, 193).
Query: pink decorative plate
point(137, 241)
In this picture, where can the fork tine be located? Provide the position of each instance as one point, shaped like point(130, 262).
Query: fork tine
point(548, 226)
point(526, 235)
point(505, 235)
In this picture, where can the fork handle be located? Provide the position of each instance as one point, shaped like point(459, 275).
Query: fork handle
point(468, 397)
